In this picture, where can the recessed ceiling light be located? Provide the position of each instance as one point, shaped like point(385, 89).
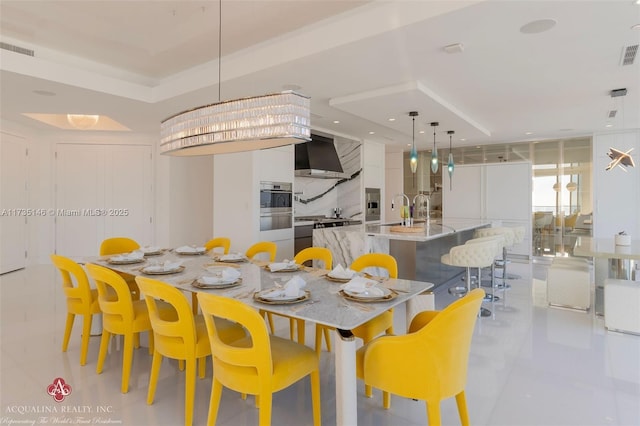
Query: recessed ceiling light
point(636, 27)
point(336, 121)
point(392, 119)
point(408, 144)
point(608, 125)
point(454, 48)
point(421, 132)
point(44, 93)
point(462, 139)
point(291, 87)
point(539, 26)
point(478, 146)
point(528, 133)
point(372, 133)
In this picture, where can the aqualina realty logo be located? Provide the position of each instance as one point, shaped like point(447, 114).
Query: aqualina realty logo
point(59, 390)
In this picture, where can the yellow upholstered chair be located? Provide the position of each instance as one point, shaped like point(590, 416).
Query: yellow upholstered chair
point(182, 337)
point(81, 300)
point(428, 363)
point(383, 322)
point(223, 242)
point(120, 315)
point(258, 364)
point(306, 255)
point(263, 247)
point(119, 245)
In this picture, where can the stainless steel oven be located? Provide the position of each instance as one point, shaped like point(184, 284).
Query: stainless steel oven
point(276, 205)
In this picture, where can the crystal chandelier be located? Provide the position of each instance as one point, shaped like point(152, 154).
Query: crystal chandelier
point(246, 124)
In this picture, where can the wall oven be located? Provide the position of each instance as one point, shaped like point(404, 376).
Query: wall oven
point(372, 204)
point(276, 205)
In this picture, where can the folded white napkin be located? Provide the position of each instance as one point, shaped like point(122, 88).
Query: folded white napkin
point(231, 256)
point(364, 286)
point(342, 273)
point(134, 255)
point(292, 288)
point(223, 275)
point(279, 266)
point(167, 266)
point(189, 249)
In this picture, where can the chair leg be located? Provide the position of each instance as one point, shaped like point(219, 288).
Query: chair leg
point(86, 333)
point(127, 360)
point(194, 303)
point(136, 340)
point(102, 354)
point(386, 400)
point(214, 401)
point(189, 390)
point(433, 413)
point(327, 338)
point(181, 364)
point(315, 397)
point(151, 344)
point(301, 329)
point(153, 376)
point(292, 327)
point(462, 409)
point(265, 408)
point(270, 320)
point(67, 331)
point(202, 366)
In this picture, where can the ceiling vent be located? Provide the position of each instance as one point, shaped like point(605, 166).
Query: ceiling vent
point(21, 50)
point(629, 54)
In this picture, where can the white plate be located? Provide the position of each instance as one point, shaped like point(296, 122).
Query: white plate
point(200, 283)
point(159, 270)
point(288, 269)
point(264, 294)
point(365, 295)
point(190, 252)
point(231, 258)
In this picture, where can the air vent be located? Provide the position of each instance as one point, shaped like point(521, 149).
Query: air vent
point(629, 54)
point(613, 113)
point(21, 50)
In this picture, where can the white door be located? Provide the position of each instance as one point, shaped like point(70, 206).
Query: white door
point(102, 191)
point(13, 202)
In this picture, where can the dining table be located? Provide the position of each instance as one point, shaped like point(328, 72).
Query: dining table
point(324, 301)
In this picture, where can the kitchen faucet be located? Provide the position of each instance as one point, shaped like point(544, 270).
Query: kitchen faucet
point(426, 197)
point(405, 221)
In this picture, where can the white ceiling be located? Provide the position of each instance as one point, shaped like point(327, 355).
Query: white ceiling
point(362, 62)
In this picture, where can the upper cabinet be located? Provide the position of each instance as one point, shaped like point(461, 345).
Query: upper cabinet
point(373, 165)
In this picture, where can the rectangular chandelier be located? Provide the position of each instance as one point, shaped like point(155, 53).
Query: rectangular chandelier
point(238, 125)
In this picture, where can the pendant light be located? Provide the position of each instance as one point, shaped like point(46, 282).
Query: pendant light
point(238, 125)
point(413, 158)
point(434, 153)
point(450, 164)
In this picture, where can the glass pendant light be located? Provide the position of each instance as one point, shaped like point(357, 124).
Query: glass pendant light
point(434, 153)
point(450, 165)
point(413, 158)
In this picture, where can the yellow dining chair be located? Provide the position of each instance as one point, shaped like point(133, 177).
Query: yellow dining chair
point(305, 255)
point(183, 337)
point(223, 242)
point(81, 300)
point(428, 363)
point(263, 247)
point(258, 364)
point(383, 322)
point(120, 315)
point(119, 245)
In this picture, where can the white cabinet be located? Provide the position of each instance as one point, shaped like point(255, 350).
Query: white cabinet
point(496, 192)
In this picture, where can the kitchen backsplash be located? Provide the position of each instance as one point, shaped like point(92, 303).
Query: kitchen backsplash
point(318, 197)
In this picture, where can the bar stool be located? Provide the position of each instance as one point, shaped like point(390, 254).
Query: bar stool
point(498, 239)
point(518, 237)
point(476, 255)
point(508, 235)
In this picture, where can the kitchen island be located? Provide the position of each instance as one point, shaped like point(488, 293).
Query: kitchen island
point(418, 252)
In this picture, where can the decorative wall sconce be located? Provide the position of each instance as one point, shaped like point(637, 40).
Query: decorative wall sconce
point(619, 158)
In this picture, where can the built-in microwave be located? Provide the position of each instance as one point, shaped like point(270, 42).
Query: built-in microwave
point(372, 204)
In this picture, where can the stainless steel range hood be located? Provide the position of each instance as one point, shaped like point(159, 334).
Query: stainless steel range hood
point(318, 159)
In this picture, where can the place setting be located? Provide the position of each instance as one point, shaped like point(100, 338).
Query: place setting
point(291, 292)
point(190, 250)
point(219, 277)
point(151, 251)
point(230, 258)
point(165, 268)
point(284, 266)
point(136, 256)
point(362, 289)
point(339, 274)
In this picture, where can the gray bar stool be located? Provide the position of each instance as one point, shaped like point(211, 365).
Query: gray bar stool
point(477, 255)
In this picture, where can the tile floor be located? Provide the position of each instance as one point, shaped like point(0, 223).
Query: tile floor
point(529, 365)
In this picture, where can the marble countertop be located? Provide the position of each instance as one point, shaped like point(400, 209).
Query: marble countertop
point(433, 229)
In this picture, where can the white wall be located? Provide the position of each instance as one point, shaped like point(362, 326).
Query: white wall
point(616, 193)
point(393, 184)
